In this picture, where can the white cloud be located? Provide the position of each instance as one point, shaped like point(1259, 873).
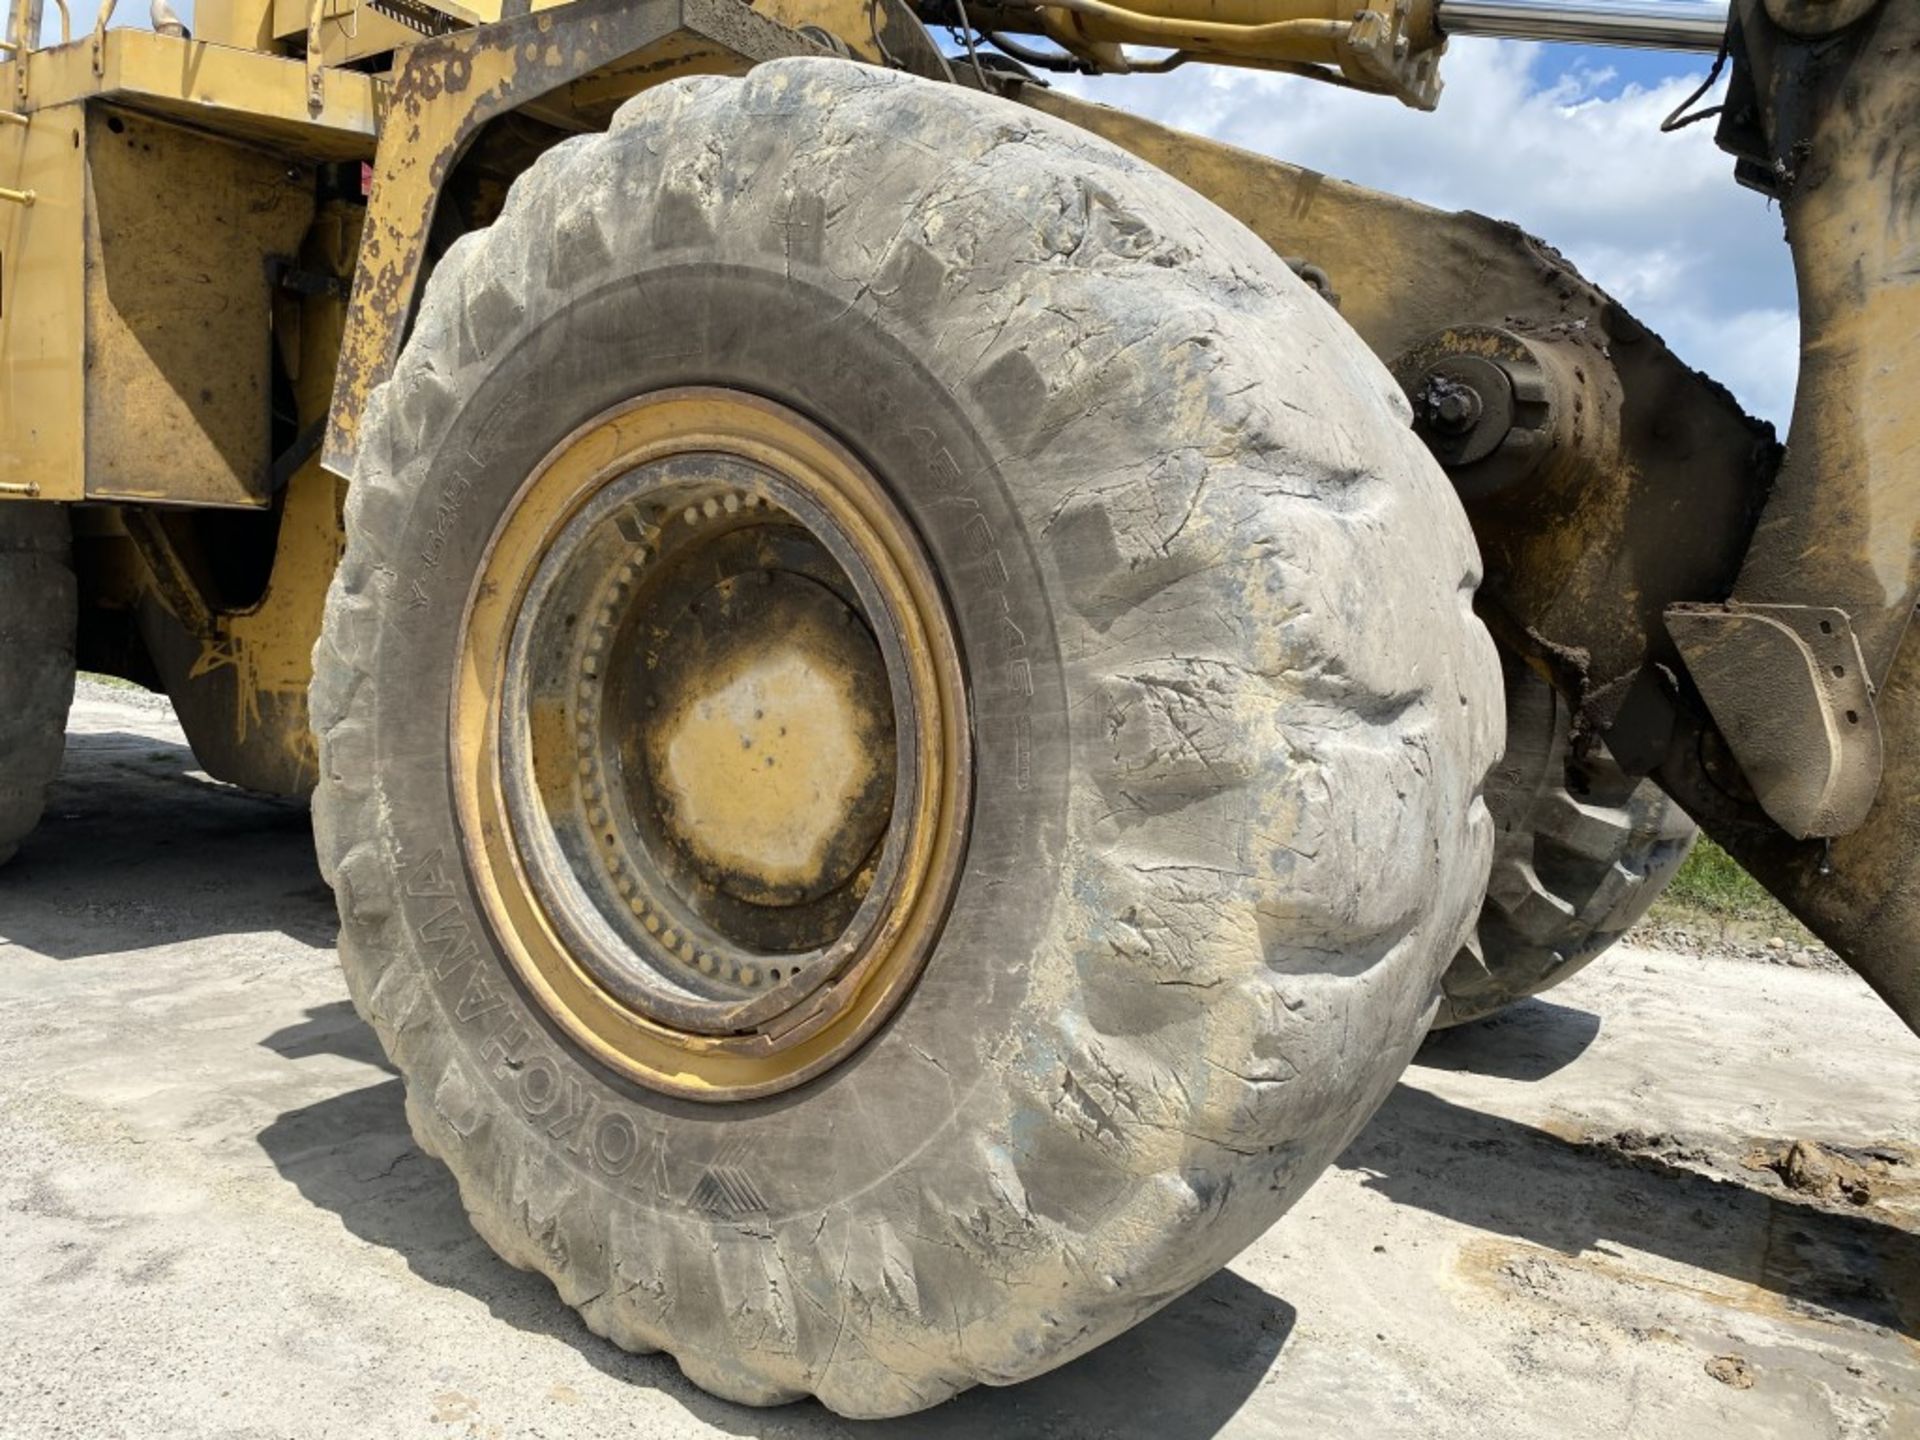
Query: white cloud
point(1572, 155)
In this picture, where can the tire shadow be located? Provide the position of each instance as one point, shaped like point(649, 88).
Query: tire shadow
point(1185, 1372)
point(1584, 1196)
point(1526, 1041)
point(331, 1029)
point(1179, 1375)
point(137, 848)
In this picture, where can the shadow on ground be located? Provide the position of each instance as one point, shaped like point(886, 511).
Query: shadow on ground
point(1580, 1196)
point(1181, 1375)
point(137, 849)
point(1527, 1041)
point(331, 1029)
point(1188, 1370)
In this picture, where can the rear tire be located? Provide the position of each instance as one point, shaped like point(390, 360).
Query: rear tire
point(1230, 712)
point(38, 614)
point(1582, 849)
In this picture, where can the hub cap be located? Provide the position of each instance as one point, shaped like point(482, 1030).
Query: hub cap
point(709, 742)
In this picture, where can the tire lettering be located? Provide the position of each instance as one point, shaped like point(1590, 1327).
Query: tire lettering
point(479, 998)
point(429, 877)
point(986, 547)
point(615, 1143)
point(449, 939)
point(540, 1086)
point(446, 511)
point(503, 1048)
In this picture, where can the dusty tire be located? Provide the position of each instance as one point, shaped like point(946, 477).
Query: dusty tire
point(1231, 712)
point(37, 619)
point(1581, 850)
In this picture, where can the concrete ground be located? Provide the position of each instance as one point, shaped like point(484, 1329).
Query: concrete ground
point(1588, 1218)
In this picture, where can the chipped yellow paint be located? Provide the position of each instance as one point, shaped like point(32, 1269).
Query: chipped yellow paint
point(269, 647)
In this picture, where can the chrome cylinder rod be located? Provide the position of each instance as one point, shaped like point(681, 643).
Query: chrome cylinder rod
point(1641, 24)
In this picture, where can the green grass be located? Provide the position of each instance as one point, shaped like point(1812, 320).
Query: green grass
point(1712, 892)
point(1713, 881)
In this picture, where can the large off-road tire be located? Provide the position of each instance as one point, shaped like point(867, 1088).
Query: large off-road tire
point(1581, 850)
point(38, 613)
point(1229, 715)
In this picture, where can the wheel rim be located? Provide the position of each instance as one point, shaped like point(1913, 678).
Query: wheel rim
point(711, 759)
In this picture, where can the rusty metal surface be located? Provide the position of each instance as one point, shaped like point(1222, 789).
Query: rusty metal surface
point(578, 62)
point(1828, 123)
point(1842, 526)
point(1788, 690)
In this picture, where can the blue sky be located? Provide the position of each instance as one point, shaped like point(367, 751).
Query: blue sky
point(1630, 67)
point(1563, 139)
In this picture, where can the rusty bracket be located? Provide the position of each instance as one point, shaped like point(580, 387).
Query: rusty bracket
point(173, 578)
point(1788, 688)
point(446, 89)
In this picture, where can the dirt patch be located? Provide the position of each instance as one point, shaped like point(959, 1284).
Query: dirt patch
point(1731, 1370)
point(1840, 1178)
point(1844, 1175)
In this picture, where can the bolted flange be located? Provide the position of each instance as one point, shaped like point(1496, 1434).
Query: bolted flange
point(1483, 401)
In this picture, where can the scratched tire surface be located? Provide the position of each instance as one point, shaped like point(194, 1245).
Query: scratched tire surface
point(38, 613)
point(1232, 712)
point(1581, 850)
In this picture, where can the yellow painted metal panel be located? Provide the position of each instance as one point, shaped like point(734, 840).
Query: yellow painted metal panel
point(178, 363)
point(261, 98)
point(349, 30)
point(42, 365)
point(244, 24)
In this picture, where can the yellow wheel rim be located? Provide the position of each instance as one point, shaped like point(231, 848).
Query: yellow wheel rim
point(709, 744)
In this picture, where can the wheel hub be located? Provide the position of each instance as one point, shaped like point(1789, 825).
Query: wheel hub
point(770, 750)
point(711, 751)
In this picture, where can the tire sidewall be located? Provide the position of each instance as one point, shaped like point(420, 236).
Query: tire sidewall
point(1225, 829)
point(796, 343)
